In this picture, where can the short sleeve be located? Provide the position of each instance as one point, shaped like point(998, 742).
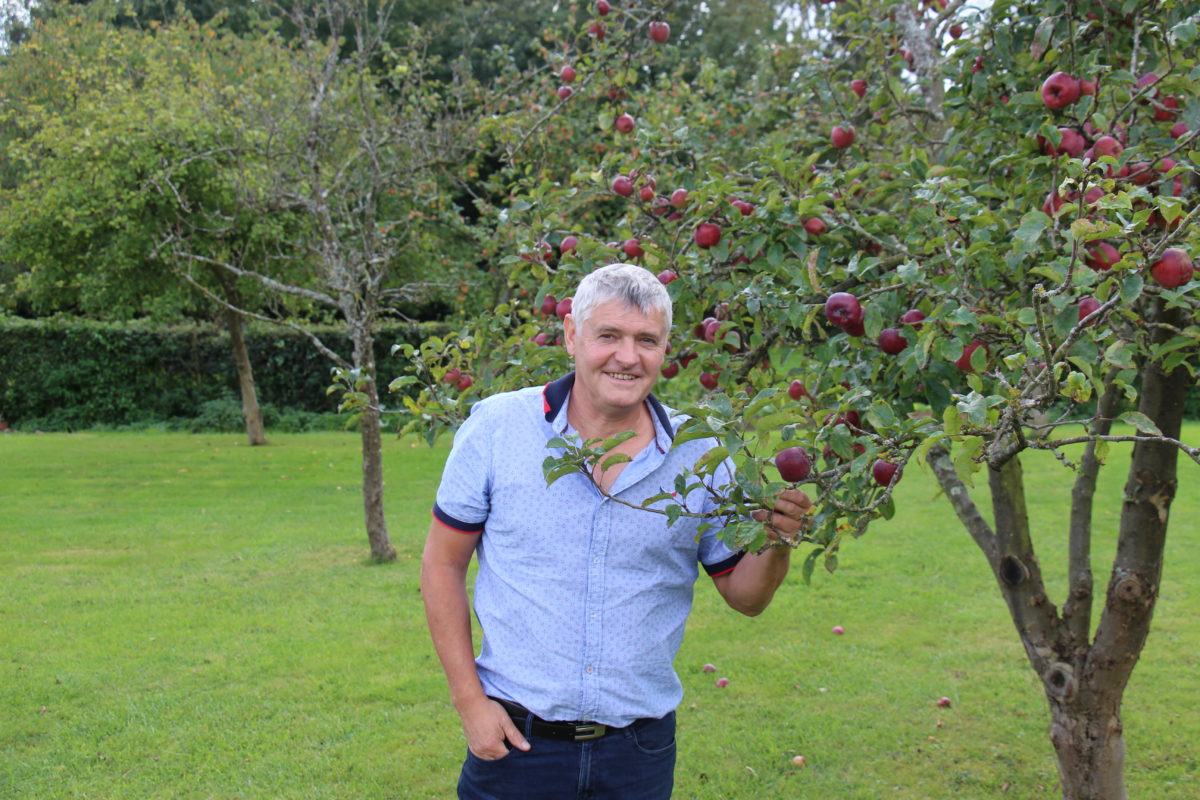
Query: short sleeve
point(715, 557)
point(464, 495)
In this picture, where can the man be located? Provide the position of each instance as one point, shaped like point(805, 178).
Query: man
point(582, 599)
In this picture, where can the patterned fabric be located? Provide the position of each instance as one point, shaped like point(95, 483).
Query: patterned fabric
point(582, 600)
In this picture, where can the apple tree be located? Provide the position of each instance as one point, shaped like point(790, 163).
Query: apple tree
point(920, 235)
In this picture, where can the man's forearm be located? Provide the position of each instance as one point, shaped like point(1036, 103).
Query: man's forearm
point(752, 584)
point(448, 613)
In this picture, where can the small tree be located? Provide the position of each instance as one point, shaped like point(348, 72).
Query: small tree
point(956, 261)
point(357, 150)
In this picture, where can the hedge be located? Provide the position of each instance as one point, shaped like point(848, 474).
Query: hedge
point(71, 374)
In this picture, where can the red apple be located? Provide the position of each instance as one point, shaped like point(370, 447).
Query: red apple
point(542, 339)
point(622, 186)
point(708, 234)
point(858, 86)
point(624, 123)
point(843, 309)
point(659, 31)
point(1178, 130)
point(943, 702)
point(815, 226)
point(1173, 268)
point(796, 390)
point(1103, 256)
point(633, 248)
point(793, 464)
point(666, 276)
point(1087, 87)
point(885, 472)
point(567, 244)
point(1087, 305)
point(708, 380)
point(549, 304)
point(841, 137)
point(602, 7)
point(464, 383)
point(956, 31)
point(596, 29)
point(452, 375)
point(837, 630)
point(964, 361)
point(1106, 146)
point(978, 65)
point(1060, 90)
point(646, 193)
point(679, 198)
point(564, 307)
point(1072, 143)
point(564, 92)
point(913, 317)
point(670, 369)
point(567, 74)
point(1166, 108)
point(891, 341)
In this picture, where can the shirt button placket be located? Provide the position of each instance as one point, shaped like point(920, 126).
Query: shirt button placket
point(594, 603)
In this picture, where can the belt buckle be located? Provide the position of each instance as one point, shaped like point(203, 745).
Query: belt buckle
point(586, 732)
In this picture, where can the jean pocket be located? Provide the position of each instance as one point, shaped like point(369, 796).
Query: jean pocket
point(654, 737)
point(471, 756)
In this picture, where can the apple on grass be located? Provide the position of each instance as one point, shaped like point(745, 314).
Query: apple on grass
point(722, 682)
point(800, 761)
point(838, 630)
point(708, 668)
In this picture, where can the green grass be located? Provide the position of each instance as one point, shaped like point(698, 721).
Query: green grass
point(182, 616)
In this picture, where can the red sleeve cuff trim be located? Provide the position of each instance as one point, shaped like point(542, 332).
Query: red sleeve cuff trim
point(724, 567)
point(455, 524)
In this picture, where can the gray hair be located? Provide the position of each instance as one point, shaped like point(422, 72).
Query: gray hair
point(637, 286)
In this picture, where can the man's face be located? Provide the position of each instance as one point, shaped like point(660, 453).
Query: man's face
point(618, 353)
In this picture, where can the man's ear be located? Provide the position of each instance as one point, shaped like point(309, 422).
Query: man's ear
point(569, 333)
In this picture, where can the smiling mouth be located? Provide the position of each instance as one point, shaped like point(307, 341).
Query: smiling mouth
point(622, 376)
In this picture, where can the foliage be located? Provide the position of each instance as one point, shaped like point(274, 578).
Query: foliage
point(958, 197)
point(72, 374)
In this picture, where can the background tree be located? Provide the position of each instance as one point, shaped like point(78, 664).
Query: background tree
point(360, 150)
point(103, 125)
point(964, 257)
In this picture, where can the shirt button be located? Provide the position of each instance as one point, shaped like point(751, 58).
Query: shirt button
point(596, 560)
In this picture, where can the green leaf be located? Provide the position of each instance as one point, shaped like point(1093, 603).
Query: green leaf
point(1140, 421)
point(614, 441)
point(1032, 225)
point(707, 463)
point(613, 459)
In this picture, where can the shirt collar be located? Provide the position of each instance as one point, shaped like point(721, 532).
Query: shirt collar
point(554, 400)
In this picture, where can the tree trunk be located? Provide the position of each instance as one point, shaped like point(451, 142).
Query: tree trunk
point(251, 413)
point(372, 448)
point(1090, 742)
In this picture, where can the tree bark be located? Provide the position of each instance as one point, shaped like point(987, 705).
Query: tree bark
point(372, 448)
point(251, 412)
point(1090, 743)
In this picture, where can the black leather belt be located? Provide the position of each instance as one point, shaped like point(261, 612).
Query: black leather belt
point(565, 731)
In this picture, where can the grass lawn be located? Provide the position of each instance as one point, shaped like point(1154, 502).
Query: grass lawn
point(182, 616)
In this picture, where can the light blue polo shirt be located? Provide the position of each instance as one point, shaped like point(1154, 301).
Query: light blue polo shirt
point(582, 600)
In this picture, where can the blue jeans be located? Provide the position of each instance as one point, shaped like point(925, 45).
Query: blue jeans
point(633, 763)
